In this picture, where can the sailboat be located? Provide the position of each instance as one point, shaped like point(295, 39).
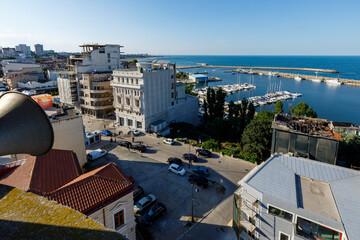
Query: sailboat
point(334, 82)
point(316, 78)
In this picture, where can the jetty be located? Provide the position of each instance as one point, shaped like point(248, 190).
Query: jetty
point(244, 69)
point(266, 68)
point(272, 98)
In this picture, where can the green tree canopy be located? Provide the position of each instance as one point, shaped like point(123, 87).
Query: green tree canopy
point(302, 109)
point(279, 107)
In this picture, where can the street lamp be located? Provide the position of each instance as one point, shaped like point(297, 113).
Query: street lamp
point(192, 201)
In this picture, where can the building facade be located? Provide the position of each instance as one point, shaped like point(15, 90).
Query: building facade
point(39, 49)
point(23, 48)
point(288, 198)
point(149, 94)
point(95, 95)
point(305, 137)
point(94, 58)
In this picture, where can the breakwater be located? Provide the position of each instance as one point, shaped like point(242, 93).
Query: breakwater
point(350, 82)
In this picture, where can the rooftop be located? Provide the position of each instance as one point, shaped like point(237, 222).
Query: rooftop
point(328, 190)
point(24, 215)
point(43, 174)
point(309, 126)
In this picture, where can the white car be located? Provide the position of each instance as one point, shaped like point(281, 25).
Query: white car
point(96, 154)
point(177, 169)
point(169, 141)
point(143, 203)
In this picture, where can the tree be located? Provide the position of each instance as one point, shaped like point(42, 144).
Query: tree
point(220, 96)
point(279, 107)
point(302, 109)
point(232, 109)
point(189, 88)
point(134, 61)
point(256, 138)
point(349, 149)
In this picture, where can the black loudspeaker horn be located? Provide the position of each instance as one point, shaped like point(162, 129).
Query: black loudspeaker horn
point(24, 126)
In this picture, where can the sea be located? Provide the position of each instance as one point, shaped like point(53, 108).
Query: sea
point(335, 103)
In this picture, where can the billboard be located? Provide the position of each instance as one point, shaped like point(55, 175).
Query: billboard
point(44, 100)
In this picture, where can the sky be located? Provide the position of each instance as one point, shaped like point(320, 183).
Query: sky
point(186, 27)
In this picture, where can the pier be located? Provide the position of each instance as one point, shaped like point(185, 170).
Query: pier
point(349, 82)
point(267, 68)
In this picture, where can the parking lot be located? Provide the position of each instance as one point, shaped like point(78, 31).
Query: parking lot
point(150, 170)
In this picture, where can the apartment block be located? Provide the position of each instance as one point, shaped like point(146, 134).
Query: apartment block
point(23, 48)
point(39, 49)
point(149, 96)
point(290, 198)
point(95, 95)
point(94, 58)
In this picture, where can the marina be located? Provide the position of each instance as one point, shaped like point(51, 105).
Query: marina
point(272, 98)
point(229, 89)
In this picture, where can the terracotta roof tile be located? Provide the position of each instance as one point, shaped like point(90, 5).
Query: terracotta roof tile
point(94, 189)
point(43, 174)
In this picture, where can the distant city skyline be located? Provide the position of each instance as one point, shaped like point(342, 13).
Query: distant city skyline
point(187, 27)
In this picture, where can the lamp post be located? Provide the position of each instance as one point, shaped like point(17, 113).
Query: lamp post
point(192, 201)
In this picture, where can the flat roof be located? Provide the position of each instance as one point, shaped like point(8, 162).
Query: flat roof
point(325, 189)
point(316, 196)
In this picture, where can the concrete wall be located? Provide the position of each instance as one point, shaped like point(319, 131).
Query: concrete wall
point(14, 82)
point(69, 135)
point(106, 216)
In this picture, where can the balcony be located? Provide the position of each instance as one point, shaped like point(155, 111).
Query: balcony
point(125, 85)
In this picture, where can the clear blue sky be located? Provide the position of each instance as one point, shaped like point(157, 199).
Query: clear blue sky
point(187, 27)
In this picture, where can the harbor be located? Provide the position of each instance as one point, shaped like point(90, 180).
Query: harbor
point(228, 89)
point(272, 98)
point(254, 70)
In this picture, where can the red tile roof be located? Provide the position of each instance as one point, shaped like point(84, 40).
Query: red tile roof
point(93, 190)
point(44, 174)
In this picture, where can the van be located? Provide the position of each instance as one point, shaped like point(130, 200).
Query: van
point(96, 154)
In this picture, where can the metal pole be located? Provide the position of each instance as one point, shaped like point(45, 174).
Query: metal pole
point(192, 202)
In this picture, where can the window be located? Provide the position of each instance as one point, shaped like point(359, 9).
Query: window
point(283, 236)
point(172, 104)
point(280, 213)
point(137, 103)
point(121, 121)
point(132, 81)
point(119, 219)
point(137, 81)
point(109, 60)
point(172, 76)
point(138, 124)
point(130, 122)
point(311, 230)
point(109, 67)
point(108, 55)
point(172, 86)
point(172, 95)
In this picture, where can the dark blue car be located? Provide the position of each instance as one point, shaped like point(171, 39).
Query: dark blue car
point(201, 170)
point(106, 132)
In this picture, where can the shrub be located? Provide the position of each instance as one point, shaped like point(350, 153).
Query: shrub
point(212, 144)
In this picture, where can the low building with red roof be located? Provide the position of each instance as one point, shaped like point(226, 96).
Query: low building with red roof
point(104, 194)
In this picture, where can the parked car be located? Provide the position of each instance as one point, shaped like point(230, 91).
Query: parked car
point(156, 211)
point(204, 152)
point(140, 148)
point(201, 170)
point(174, 160)
point(96, 154)
point(125, 144)
point(169, 141)
point(106, 132)
point(136, 132)
point(138, 193)
point(177, 169)
point(144, 203)
point(198, 180)
point(190, 156)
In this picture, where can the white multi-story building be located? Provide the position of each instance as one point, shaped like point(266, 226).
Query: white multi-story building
point(24, 49)
point(147, 98)
point(94, 58)
point(289, 198)
point(39, 49)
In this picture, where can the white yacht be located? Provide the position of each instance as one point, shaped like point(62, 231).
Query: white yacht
point(298, 78)
point(270, 73)
point(316, 79)
point(261, 74)
point(334, 81)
